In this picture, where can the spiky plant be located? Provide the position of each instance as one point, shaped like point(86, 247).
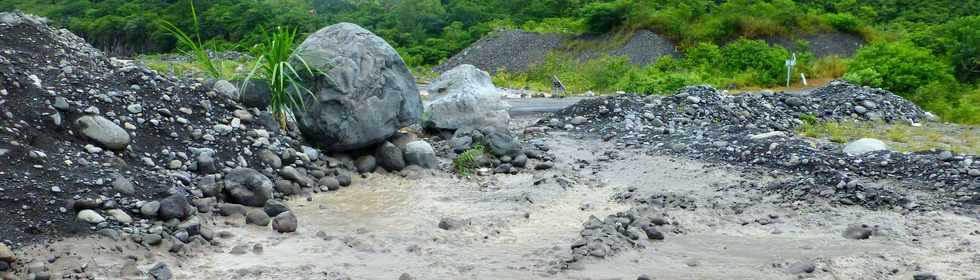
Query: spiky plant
point(274, 55)
point(466, 162)
point(192, 46)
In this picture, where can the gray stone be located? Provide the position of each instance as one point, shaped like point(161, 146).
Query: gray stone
point(160, 271)
point(858, 232)
point(461, 143)
point(466, 97)
point(248, 187)
point(365, 164)
point(103, 131)
point(344, 179)
point(801, 267)
point(274, 208)
point(366, 94)
point(578, 120)
point(120, 216)
point(287, 187)
point(122, 185)
point(229, 209)
point(331, 183)
point(61, 103)
point(501, 144)
point(863, 146)
point(150, 209)
point(254, 94)
point(285, 222)
point(90, 216)
point(256, 216)
point(422, 154)
point(293, 174)
point(226, 89)
point(270, 158)
point(390, 157)
point(174, 206)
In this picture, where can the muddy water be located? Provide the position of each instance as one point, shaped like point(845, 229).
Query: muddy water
point(511, 228)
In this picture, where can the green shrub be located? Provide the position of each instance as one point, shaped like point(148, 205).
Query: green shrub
point(273, 63)
point(704, 55)
point(747, 55)
point(842, 21)
point(901, 67)
point(465, 163)
point(601, 17)
point(957, 40)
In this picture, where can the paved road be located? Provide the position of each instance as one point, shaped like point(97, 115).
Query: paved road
point(528, 106)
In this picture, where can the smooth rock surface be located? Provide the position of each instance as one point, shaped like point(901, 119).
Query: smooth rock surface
point(466, 97)
point(103, 131)
point(367, 94)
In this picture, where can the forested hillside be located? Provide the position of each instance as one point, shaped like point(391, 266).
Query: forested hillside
point(925, 50)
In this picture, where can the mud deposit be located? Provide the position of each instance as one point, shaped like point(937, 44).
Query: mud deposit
point(523, 227)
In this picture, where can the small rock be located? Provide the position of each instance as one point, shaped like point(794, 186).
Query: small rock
point(365, 164)
point(925, 276)
point(90, 216)
point(801, 267)
point(858, 232)
point(160, 271)
point(543, 166)
point(104, 132)
point(285, 222)
point(122, 185)
point(257, 217)
point(578, 120)
point(863, 146)
point(420, 153)
point(150, 209)
point(331, 183)
point(344, 179)
point(6, 255)
point(120, 216)
point(174, 207)
point(390, 157)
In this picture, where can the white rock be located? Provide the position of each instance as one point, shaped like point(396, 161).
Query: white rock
point(119, 216)
point(863, 146)
point(90, 216)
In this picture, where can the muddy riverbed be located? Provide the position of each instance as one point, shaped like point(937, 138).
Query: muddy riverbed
point(521, 226)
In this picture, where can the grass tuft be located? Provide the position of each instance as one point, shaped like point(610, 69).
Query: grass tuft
point(192, 46)
point(285, 83)
point(466, 162)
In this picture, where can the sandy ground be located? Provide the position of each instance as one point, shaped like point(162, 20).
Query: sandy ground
point(509, 227)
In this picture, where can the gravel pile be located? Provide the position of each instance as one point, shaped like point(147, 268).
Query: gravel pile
point(644, 48)
point(756, 130)
point(513, 50)
point(516, 50)
point(91, 144)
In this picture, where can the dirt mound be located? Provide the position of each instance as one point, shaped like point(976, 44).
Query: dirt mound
point(756, 130)
point(65, 109)
point(513, 50)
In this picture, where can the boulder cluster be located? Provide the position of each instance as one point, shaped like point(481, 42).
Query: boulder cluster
point(89, 143)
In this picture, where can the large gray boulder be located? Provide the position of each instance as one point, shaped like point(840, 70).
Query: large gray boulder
point(103, 131)
point(466, 97)
point(421, 153)
point(248, 187)
point(364, 91)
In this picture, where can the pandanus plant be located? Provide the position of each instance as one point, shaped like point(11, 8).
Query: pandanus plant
point(281, 69)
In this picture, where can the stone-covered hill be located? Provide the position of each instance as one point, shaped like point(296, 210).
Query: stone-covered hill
point(516, 50)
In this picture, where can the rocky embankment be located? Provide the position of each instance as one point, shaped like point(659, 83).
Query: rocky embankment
point(755, 132)
point(91, 144)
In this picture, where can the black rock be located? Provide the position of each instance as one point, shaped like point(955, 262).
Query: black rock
point(925, 276)
point(4, 266)
point(801, 267)
point(174, 207)
point(248, 187)
point(390, 157)
point(858, 232)
point(274, 208)
point(229, 209)
point(652, 232)
point(257, 217)
point(344, 180)
point(543, 166)
point(365, 164)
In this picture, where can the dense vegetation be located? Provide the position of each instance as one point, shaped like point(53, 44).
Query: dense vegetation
point(928, 51)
